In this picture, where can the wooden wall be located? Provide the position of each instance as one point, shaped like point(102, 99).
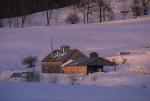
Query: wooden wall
point(51, 67)
point(75, 70)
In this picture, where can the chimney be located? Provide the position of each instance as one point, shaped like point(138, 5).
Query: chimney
point(64, 49)
point(57, 52)
point(94, 54)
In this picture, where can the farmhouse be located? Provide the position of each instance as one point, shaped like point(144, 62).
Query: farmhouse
point(52, 63)
point(72, 61)
point(86, 65)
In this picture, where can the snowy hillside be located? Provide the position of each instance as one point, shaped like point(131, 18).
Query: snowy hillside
point(126, 42)
point(106, 39)
point(129, 83)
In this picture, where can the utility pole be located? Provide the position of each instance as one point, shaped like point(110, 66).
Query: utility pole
point(51, 40)
point(83, 50)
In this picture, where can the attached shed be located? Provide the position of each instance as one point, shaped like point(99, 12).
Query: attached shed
point(87, 65)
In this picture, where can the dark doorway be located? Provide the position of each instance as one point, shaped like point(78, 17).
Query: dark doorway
point(93, 69)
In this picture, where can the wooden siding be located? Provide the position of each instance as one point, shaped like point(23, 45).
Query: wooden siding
point(75, 70)
point(51, 67)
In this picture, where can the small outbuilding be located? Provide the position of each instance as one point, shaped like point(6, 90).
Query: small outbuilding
point(86, 65)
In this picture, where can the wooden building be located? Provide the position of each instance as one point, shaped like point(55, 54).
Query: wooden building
point(52, 63)
point(86, 65)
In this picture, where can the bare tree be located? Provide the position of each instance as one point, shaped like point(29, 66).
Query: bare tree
point(88, 9)
point(10, 18)
point(48, 4)
point(100, 4)
point(136, 8)
point(110, 12)
point(23, 12)
point(83, 11)
point(105, 10)
point(15, 10)
point(1, 23)
point(145, 6)
point(49, 15)
point(124, 10)
point(9, 13)
point(76, 5)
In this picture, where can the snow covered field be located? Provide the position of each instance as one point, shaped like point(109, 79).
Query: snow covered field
point(108, 39)
point(105, 38)
point(12, 91)
point(130, 82)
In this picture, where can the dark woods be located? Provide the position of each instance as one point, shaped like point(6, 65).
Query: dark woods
point(13, 8)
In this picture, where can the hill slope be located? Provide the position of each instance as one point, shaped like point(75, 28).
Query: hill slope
point(105, 38)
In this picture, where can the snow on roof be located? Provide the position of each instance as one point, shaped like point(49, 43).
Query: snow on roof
point(66, 63)
point(62, 58)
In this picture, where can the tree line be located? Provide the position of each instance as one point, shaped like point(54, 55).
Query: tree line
point(17, 7)
point(14, 8)
point(22, 8)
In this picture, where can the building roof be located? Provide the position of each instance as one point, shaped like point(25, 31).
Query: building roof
point(71, 54)
point(48, 58)
point(91, 61)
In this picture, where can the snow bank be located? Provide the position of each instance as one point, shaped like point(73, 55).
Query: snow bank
point(111, 79)
point(52, 77)
point(140, 69)
point(117, 79)
point(136, 60)
point(61, 78)
point(22, 91)
point(5, 75)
